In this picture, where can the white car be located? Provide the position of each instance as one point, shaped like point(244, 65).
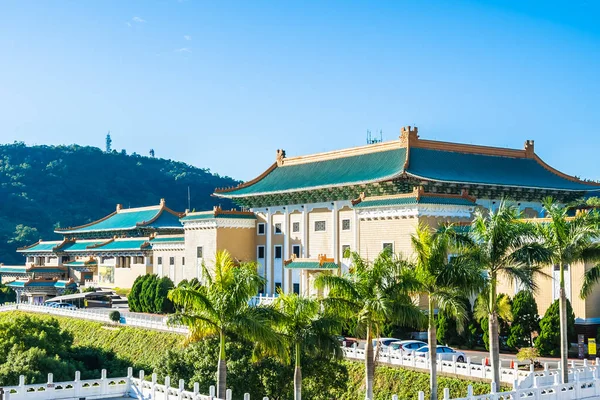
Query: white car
point(443, 352)
point(407, 347)
point(384, 343)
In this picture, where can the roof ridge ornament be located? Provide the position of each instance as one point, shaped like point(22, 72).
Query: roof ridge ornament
point(408, 135)
point(529, 149)
point(280, 155)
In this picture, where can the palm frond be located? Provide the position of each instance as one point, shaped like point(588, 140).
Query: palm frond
point(590, 279)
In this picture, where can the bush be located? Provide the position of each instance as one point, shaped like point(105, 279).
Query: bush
point(114, 316)
point(447, 330)
point(525, 320)
point(548, 342)
point(530, 354)
point(162, 304)
point(7, 295)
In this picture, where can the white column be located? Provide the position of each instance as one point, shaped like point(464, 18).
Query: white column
point(336, 227)
point(304, 232)
point(287, 274)
point(268, 255)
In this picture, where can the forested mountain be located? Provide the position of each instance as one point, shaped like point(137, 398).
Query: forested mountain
point(45, 187)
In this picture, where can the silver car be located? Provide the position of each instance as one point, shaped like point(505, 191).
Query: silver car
point(407, 347)
point(443, 352)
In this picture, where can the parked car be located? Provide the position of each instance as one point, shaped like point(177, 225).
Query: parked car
point(384, 342)
point(67, 306)
point(50, 304)
point(444, 352)
point(407, 347)
point(349, 341)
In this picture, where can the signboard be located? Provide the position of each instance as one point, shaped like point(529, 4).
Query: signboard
point(592, 347)
point(580, 344)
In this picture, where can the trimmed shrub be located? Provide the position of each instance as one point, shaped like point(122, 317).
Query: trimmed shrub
point(548, 342)
point(114, 316)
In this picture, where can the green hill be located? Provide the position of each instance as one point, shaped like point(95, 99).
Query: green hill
point(45, 187)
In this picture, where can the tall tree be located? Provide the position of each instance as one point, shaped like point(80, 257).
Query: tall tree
point(570, 240)
point(504, 246)
point(445, 281)
point(525, 320)
point(307, 330)
point(373, 294)
point(108, 143)
point(549, 339)
point(220, 307)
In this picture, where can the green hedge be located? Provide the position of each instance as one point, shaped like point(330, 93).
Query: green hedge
point(141, 347)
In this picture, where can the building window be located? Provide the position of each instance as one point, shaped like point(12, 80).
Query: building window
point(182, 260)
point(388, 246)
point(296, 227)
point(320, 226)
point(199, 252)
point(278, 230)
point(261, 229)
point(296, 288)
point(278, 252)
point(159, 260)
point(346, 251)
point(277, 287)
point(171, 260)
point(557, 267)
point(345, 224)
point(260, 252)
point(296, 250)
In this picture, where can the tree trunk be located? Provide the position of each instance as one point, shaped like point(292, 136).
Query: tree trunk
point(493, 333)
point(222, 369)
point(298, 375)
point(431, 332)
point(369, 365)
point(564, 340)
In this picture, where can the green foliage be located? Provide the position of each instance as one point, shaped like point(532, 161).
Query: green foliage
point(525, 320)
point(138, 348)
point(403, 382)
point(162, 304)
point(134, 295)
point(35, 346)
point(7, 295)
point(88, 289)
point(114, 316)
point(504, 310)
point(530, 354)
point(447, 332)
point(548, 341)
point(26, 172)
point(148, 294)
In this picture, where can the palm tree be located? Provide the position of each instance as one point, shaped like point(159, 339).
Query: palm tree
point(570, 240)
point(505, 246)
point(373, 293)
point(307, 330)
point(220, 307)
point(445, 280)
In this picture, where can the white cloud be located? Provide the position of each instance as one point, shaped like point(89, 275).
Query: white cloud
point(183, 50)
point(138, 20)
point(187, 37)
point(128, 24)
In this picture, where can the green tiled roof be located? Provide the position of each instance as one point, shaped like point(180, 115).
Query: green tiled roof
point(311, 265)
point(122, 245)
point(80, 246)
point(16, 284)
point(402, 201)
point(355, 169)
point(48, 270)
point(173, 239)
point(40, 247)
point(80, 263)
point(130, 219)
point(451, 166)
point(56, 284)
point(13, 270)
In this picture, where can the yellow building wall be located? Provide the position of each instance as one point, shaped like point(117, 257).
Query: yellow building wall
point(373, 233)
point(194, 238)
point(320, 242)
point(239, 242)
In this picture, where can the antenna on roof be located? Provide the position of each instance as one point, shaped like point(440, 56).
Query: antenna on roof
point(373, 140)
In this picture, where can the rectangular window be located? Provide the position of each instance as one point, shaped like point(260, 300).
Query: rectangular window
point(261, 229)
point(557, 267)
point(346, 251)
point(260, 252)
point(297, 288)
point(296, 250)
point(388, 246)
point(171, 260)
point(159, 260)
point(278, 230)
point(296, 227)
point(320, 226)
point(278, 252)
point(345, 224)
point(277, 287)
point(199, 252)
point(182, 260)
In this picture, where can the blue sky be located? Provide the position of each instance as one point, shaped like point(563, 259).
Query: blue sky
point(224, 84)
